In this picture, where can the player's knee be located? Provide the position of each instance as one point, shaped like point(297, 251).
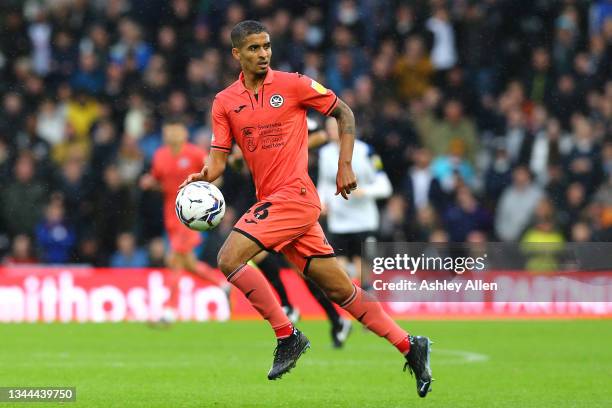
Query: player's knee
point(226, 262)
point(338, 294)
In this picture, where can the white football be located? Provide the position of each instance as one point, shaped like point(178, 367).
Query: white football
point(200, 206)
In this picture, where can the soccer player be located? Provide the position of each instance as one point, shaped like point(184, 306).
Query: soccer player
point(264, 111)
point(171, 164)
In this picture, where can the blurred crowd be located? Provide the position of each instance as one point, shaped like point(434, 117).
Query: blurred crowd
point(493, 118)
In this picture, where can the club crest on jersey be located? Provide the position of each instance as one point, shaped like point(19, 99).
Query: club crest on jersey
point(276, 101)
point(248, 133)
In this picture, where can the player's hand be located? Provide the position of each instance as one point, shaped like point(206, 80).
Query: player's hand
point(147, 182)
point(201, 176)
point(345, 180)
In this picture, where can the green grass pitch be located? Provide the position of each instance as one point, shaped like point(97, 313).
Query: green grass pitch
point(514, 364)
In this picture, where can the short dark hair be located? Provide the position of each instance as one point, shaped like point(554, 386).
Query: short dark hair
point(245, 28)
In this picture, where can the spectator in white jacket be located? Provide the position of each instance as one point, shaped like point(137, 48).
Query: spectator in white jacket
point(351, 222)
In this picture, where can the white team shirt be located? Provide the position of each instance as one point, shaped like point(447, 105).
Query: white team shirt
point(357, 214)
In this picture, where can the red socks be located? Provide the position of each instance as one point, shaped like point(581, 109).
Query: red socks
point(404, 345)
point(363, 307)
point(257, 291)
point(371, 314)
point(284, 331)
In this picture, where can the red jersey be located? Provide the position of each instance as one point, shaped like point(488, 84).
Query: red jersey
point(271, 130)
point(171, 170)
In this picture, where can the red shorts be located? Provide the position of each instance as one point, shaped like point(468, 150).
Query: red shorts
point(286, 226)
point(182, 239)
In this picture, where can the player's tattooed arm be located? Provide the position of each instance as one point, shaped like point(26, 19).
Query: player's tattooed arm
point(345, 179)
point(346, 121)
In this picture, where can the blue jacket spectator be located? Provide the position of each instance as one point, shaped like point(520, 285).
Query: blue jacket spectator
point(54, 236)
point(128, 255)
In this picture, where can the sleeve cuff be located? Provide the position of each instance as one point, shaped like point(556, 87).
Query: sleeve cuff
point(222, 148)
point(333, 105)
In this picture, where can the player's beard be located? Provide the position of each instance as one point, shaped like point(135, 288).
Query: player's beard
point(261, 71)
point(255, 70)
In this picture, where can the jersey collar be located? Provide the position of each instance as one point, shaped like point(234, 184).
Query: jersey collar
point(268, 80)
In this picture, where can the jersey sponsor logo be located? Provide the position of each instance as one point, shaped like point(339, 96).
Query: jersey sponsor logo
point(239, 109)
point(276, 101)
point(270, 135)
point(248, 134)
point(272, 141)
point(318, 87)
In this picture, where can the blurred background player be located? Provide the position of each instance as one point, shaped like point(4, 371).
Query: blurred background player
point(351, 222)
point(171, 164)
